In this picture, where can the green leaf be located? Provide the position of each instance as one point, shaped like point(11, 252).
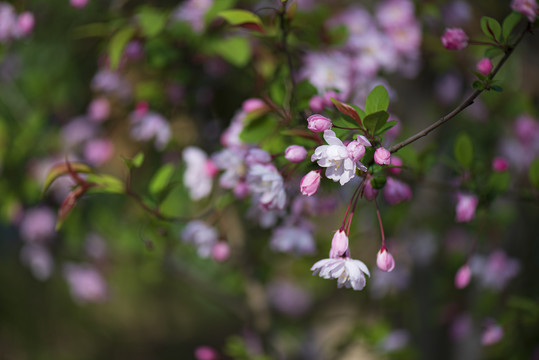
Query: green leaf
point(499, 182)
point(258, 130)
point(217, 7)
point(385, 127)
point(152, 21)
point(105, 184)
point(236, 50)
point(62, 169)
point(91, 30)
point(237, 17)
point(497, 88)
point(534, 172)
point(478, 85)
point(378, 181)
point(463, 150)
point(118, 43)
point(492, 52)
point(161, 178)
point(375, 121)
point(509, 24)
point(491, 28)
point(377, 100)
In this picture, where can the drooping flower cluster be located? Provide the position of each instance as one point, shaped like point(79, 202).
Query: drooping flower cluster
point(13, 26)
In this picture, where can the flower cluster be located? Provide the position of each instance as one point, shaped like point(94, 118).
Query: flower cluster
point(13, 26)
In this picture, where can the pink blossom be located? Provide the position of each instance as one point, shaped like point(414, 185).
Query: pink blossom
point(206, 353)
point(85, 282)
point(196, 177)
point(78, 4)
point(220, 251)
point(454, 39)
point(527, 8)
point(316, 103)
point(348, 272)
point(384, 260)
point(397, 162)
point(38, 259)
point(25, 23)
point(8, 22)
point(328, 71)
point(484, 66)
point(356, 150)
point(203, 236)
point(368, 191)
point(395, 13)
point(266, 183)
point(382, 156)
point(318, 123)
point(38, 225)
point(406, 39)
point(241, 190)
point(339, 244)
point(98, 151)
point(257, 156)
point(526, 129)
point(99, 109)
point(192, 12)
point(310, 183)
point(499, 164)
point(293, 239)
point(328, 95)
point(151, 125)
point(492, 334)
point(289, 298)
point(396, 191)
point(496, 271)
point(295, 153)
point(466, 205)
point(463, 276)
point(254, 104)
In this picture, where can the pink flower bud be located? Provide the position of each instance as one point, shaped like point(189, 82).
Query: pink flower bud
point(369, 192)
point(396, 191)
point(253, 104)
point(98, 151)
point(328, 95)
point(466, 205)
point(527, 8)
point(396, 161)
point(319, 123)
point(382, 156)
point(339, 244)
point(499, 164)
point(484, 66)
point(78, 4)
point(211, 169)
point(142, 108)
point(492, 334)
point(316, 103)
point(526, 128)
point(310, 183)
point(463, 276)
point(384, 260)
point(206, 353)
point(454, 39)
point(99, 109)
point(220, 251)
point(295, 153)
point(355, 150)
point(25, 23)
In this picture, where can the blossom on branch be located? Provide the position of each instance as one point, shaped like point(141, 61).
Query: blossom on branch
point(527, 8)
point(348, 272)
point(454, 39)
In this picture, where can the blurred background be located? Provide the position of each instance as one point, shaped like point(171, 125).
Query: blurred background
point(100, 82)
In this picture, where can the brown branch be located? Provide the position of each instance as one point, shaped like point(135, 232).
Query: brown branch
point(467, 102)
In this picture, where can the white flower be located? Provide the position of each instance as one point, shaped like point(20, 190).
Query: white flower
point(203, 236)
point(266, 183)
point(151, 125)
point(347, 271)
point(231, 161)
point(336, 159)
point(196, 177)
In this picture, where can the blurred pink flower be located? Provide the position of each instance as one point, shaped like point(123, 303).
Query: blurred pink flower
point(463, 276)
point(368, 191)
point(484, 66)
point(266, 183)
point(492, 334)
point(98, 151)
point(38, 225)
point(206, 353)
point(288, 298)
point(203, 236)
point(99, 109)
point(254, 104)
point(151, 125)
point(220, 251)
point(196, 176)
point(395, 191)
point(85, 282)
point(38, 259)
point(527, 8)
point(293, 239)
point(78, 4)
point(192, 12)
point(454, 39)
point(25, 23)
point(499, 164)
point(466, 205)
point(295, 153)
point(395, 13)
point(316, 103)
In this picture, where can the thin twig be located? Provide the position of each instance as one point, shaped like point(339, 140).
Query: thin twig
point(467, 102)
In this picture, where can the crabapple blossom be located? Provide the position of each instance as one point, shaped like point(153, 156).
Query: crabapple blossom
point(310, 183)
point(496, 271)
point(151, 125)
point(98, 151)
point(356, 150)
point(395, 191)
point(328, 71)
point(257, 156)
point(85, 283)
point(232, 162)
point(203, 236)
point(288, 298)
point(8, 22)
point(492, 334)
point(334, 157)
point(295, 153)
point(348, 272)
point(368, 191)
point(499, 164)
point(206, 353)
point(99, 109)
point(397, 162)
point(318, 123)
point(316, 103)
point(198, 175)
point(192, 12)
point(395, 13)
point(25, 23)
point(382, 156)
point(267, 184)
point(463, 276)
point(78, 4)
point(527, 8)
point(454, 39)
point(339, 244)
point(384, 260)
point(38, 259)
point(484, 66)
point(254, 104)
point(293, 239)
point(220, 251)
point(38, 225)
point(466, 205)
